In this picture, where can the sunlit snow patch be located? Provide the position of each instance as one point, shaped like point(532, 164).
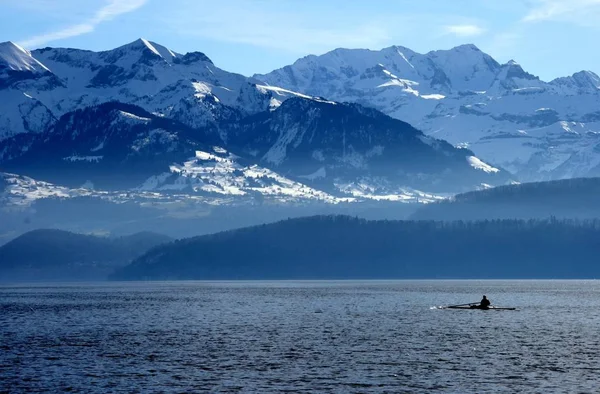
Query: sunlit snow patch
point(566, 126)
point(405, 59)
point(288, 93)
point(371, 190)
point(201, 89)
point(433, 96)
point(220, 173)
point(134, 117)
point(480, 165)
point(21, 191)
point(274, 104)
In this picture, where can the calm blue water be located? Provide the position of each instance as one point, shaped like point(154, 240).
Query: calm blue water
point(338, 337)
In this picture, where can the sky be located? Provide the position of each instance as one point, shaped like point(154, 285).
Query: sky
point(549, 38)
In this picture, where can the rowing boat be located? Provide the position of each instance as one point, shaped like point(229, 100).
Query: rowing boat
point(490, 308)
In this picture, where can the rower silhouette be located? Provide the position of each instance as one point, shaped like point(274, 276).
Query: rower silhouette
point(483, 304)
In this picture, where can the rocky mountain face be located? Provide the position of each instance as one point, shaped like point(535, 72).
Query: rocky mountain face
point(346, 148)
point(535, 129)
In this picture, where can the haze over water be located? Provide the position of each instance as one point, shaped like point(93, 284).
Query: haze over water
point(339, 337)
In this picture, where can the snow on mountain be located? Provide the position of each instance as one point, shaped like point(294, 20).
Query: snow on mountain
point(480, 165)
point(18, 192)
point(142, 72)
point(218, 172)
point(512, 78)
point(464, 68)
point(22, 113)
point(15, 58)
point(360, 73)
point(507, 116)
point(21, 193)
point(579, 83)
point(19, 110)
point(380, 189)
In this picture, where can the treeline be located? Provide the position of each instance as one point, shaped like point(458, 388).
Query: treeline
point(575, 198)
point(325, 247)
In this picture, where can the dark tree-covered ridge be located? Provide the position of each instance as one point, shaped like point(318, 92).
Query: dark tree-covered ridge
point(568, 198)
point(326, 247)
point(63, 255)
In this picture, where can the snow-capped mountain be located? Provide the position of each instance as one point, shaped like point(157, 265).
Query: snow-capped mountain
point(144, 120)
point(535, 129)
point(38, 87)
point(15, 60)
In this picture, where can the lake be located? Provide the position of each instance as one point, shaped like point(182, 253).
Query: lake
point(327, 337)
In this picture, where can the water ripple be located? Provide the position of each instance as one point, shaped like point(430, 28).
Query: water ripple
point(330, 337)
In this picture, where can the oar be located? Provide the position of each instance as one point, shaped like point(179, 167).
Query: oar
point(472, 303)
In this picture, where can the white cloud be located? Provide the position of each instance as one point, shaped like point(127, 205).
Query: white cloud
point(115, 8)
point(583, 12)
point(111, 10)
point(464, 30)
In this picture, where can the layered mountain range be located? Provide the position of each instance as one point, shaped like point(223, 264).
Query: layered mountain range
point(143, 122)
point(537, 130)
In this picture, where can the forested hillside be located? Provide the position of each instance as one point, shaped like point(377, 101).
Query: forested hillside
point(343, 247)
point(62, 255)
point(569, 198)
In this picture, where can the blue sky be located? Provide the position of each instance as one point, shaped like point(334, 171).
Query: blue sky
point(549, 38)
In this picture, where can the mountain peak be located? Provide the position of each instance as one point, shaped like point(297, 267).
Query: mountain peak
point(467, 47)
point(193, 57)
point(399, 50)
point(464, 54)
point(16, 58)
point(586, 74)
point(511, 70)
point(9, 44)
point(460, 49)
point(153, 48)
point(583, 80)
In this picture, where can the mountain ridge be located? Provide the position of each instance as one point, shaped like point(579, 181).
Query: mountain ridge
point(465, 97)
